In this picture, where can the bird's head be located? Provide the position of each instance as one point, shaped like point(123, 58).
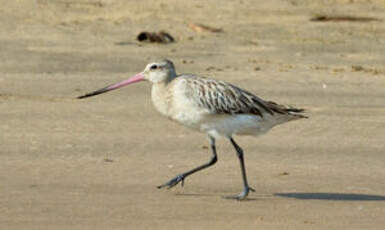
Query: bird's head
point(161, 71)
point(156, 72)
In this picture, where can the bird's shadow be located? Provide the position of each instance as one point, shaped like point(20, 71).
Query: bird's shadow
point(333, 196)
point(304, 196)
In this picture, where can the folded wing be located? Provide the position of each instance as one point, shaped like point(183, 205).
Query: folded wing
point(223, 98)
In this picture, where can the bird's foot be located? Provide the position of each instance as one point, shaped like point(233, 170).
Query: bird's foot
point(243, 195)
point(174, 181)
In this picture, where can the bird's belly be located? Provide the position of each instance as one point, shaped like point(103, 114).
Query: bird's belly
point(191, 119)
point(242, 124)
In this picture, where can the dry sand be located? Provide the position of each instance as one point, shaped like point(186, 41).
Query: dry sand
point(95, 163)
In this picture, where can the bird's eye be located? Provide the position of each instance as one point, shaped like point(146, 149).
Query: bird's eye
point(154, 67)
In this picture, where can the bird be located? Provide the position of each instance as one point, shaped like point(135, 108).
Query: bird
point(211, 106)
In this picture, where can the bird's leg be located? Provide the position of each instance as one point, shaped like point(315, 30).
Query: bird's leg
point(182, 176)
point(246, 188)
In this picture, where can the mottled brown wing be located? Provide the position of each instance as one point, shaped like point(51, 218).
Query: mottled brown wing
point(221, 97)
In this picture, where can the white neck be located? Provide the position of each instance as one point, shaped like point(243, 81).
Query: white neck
point(160, 97)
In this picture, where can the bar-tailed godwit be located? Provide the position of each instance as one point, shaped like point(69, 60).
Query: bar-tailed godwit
point(212, 106)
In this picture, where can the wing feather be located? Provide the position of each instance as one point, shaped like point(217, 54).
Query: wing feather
point(220, 97)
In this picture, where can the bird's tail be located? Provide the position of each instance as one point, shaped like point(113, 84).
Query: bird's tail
point(296, 113)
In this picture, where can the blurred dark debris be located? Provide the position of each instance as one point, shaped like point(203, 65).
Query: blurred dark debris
point(204, 28)
point(212, 68)
point(5, 96)
point(342, 18)
point(108, 160)
point(308, 222)
point(317, 67)
point(374, 71)
point(338, 70)
point(283, 174)
point(187, 61)
point(253, 43)
point(153, 37)
point(357, 68)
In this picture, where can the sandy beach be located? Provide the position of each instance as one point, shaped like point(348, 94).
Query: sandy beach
point(95, 163)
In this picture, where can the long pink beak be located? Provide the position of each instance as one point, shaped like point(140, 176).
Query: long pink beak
point(138, 77)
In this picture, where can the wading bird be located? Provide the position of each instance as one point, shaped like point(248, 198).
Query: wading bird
point(211, 106)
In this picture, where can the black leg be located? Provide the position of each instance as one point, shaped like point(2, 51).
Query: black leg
point(181, 177)
point(246, 188)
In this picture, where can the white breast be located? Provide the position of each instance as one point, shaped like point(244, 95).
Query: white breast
point(184, 108)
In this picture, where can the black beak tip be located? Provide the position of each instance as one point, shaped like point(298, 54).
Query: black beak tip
point(86, 95)
point(97, 92)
